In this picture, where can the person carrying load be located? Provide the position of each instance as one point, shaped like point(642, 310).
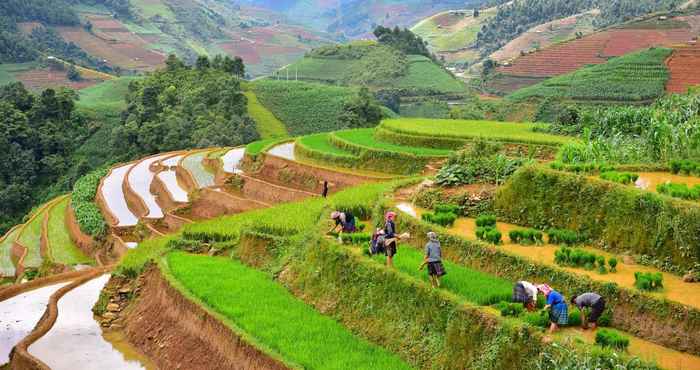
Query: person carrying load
point(343, 220)
point(525, 292)
point(376, 245)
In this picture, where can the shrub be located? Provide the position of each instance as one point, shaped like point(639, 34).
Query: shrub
point(611, 338)
point(447, 208)
point(526, 236)
point(681, 191)
point(486, 221)
point(489, 234)
point(442, 219)
point(575, 257)
point(685, 167)
point(563, 236)
point(612, 262)
point(87, 213)
point(620, 177)
point(648, 281)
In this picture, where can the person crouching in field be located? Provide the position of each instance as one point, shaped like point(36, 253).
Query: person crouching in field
point(558, 309)
point(433, 258)
point(593, 301)
point(343, 220)
point(525, 292)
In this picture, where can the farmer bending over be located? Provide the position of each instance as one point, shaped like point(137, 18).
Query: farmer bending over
point(525, 292)
point(593, 301)
point(558, 310)
point(433, 258)
point(343, 220)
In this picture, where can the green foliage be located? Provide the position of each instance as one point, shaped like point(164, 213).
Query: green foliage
point(62, 248)
point(486, 221)
point(444, 219)
point(541, 318)
point(181, 107)
point(88, 214)
point(563, 236)
point(576, 257)
point(682, 191)
point(357, 238)
point(638, 76)
point(649, 281)
point(267, 124)
point(624, 178)
point(489, 234)
point(686, 167)
point(612, 262)
point(305, 108)
point(401, 40)
point(273, 316)
point(611, 338)
point(510, 309)
point(447, 208)
point(526, 236)
point(621, 217)
point(480, 164)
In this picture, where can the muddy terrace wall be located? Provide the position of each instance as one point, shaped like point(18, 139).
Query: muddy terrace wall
point(667, 323)
point(618, 217)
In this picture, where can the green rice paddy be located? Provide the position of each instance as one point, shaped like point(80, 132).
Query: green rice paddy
point(7, 268)
point(365, 138)
point(268, 312)
point(31, 239)
point(267, 124)
point(321, 143)
point(62, 248)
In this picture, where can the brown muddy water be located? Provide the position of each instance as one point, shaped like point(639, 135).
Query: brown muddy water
point(76, 341)
point(674, 287)
point(19, 315)
point(665, 357)
point(649, 180)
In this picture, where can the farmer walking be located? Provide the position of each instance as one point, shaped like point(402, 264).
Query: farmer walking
point(390, 237)
point(591, 300)
point(433, 258)
point(558, 309)
point(525, 292)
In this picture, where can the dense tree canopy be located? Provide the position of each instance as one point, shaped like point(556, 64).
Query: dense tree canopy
point(402, 40)
point(182, 107)
point(38, 135)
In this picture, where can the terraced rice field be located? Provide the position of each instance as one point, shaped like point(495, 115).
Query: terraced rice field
point(61, 248)
point(25, 310)
point(266, 311)
point(169, 178)
point(469, 130)
point(114, 198)
point(266, 123)
point(193, 164)
point(285, 151)
point(593, 49)
point(140, 180)
point(30, 237)
point(683, 67)
point(7, 267)
point(364, 138)
point(232, 160)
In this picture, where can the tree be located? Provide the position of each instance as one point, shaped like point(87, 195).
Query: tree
point(73, 74)
point(172, 63)
point(361, 111)
point(202, 62)
point(234, 66)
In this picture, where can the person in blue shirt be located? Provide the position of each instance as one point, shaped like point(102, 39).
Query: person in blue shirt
point(556, 304)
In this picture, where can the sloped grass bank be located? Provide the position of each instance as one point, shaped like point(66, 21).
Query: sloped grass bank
point(267, 311)
point(619, 217)
point(61, 248)
point(633, 311)
point(267, 124)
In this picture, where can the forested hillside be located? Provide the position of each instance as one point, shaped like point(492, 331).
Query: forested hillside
point(516, 17)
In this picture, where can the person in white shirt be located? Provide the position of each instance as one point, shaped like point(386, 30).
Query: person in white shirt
point(526, 293)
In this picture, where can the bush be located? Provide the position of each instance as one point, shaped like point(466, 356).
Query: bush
point(685, 167)
point(563, 236)
point(489, 234)
point(526, 236)
point(575, 257)
point(620, 177)
point(681, 191)
point(466, 168)
point(649, 281)
point(611, 338)
point(87, 213)
point(442, 219)
point(612, 262)
point(486, 221)
point(447, 208)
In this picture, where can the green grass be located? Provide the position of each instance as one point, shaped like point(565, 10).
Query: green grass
point(269, 313)
point(7, 268)
point(469, 130)
point(150, 9)
point(106, 95)
point(319, 69)
point(31, 239)
point(304, 108)
point(267, 124)
point(475, 286)
point(257, 147)
point(639, 76)
point(321, 143)
point(63, 250)
point(449, 38)
point(365, 138)
point(193, 163)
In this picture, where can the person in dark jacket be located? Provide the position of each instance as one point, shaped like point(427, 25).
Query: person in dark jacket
point(343, 220)
point(593, 301)
point(390, 237)
point(433, 259)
